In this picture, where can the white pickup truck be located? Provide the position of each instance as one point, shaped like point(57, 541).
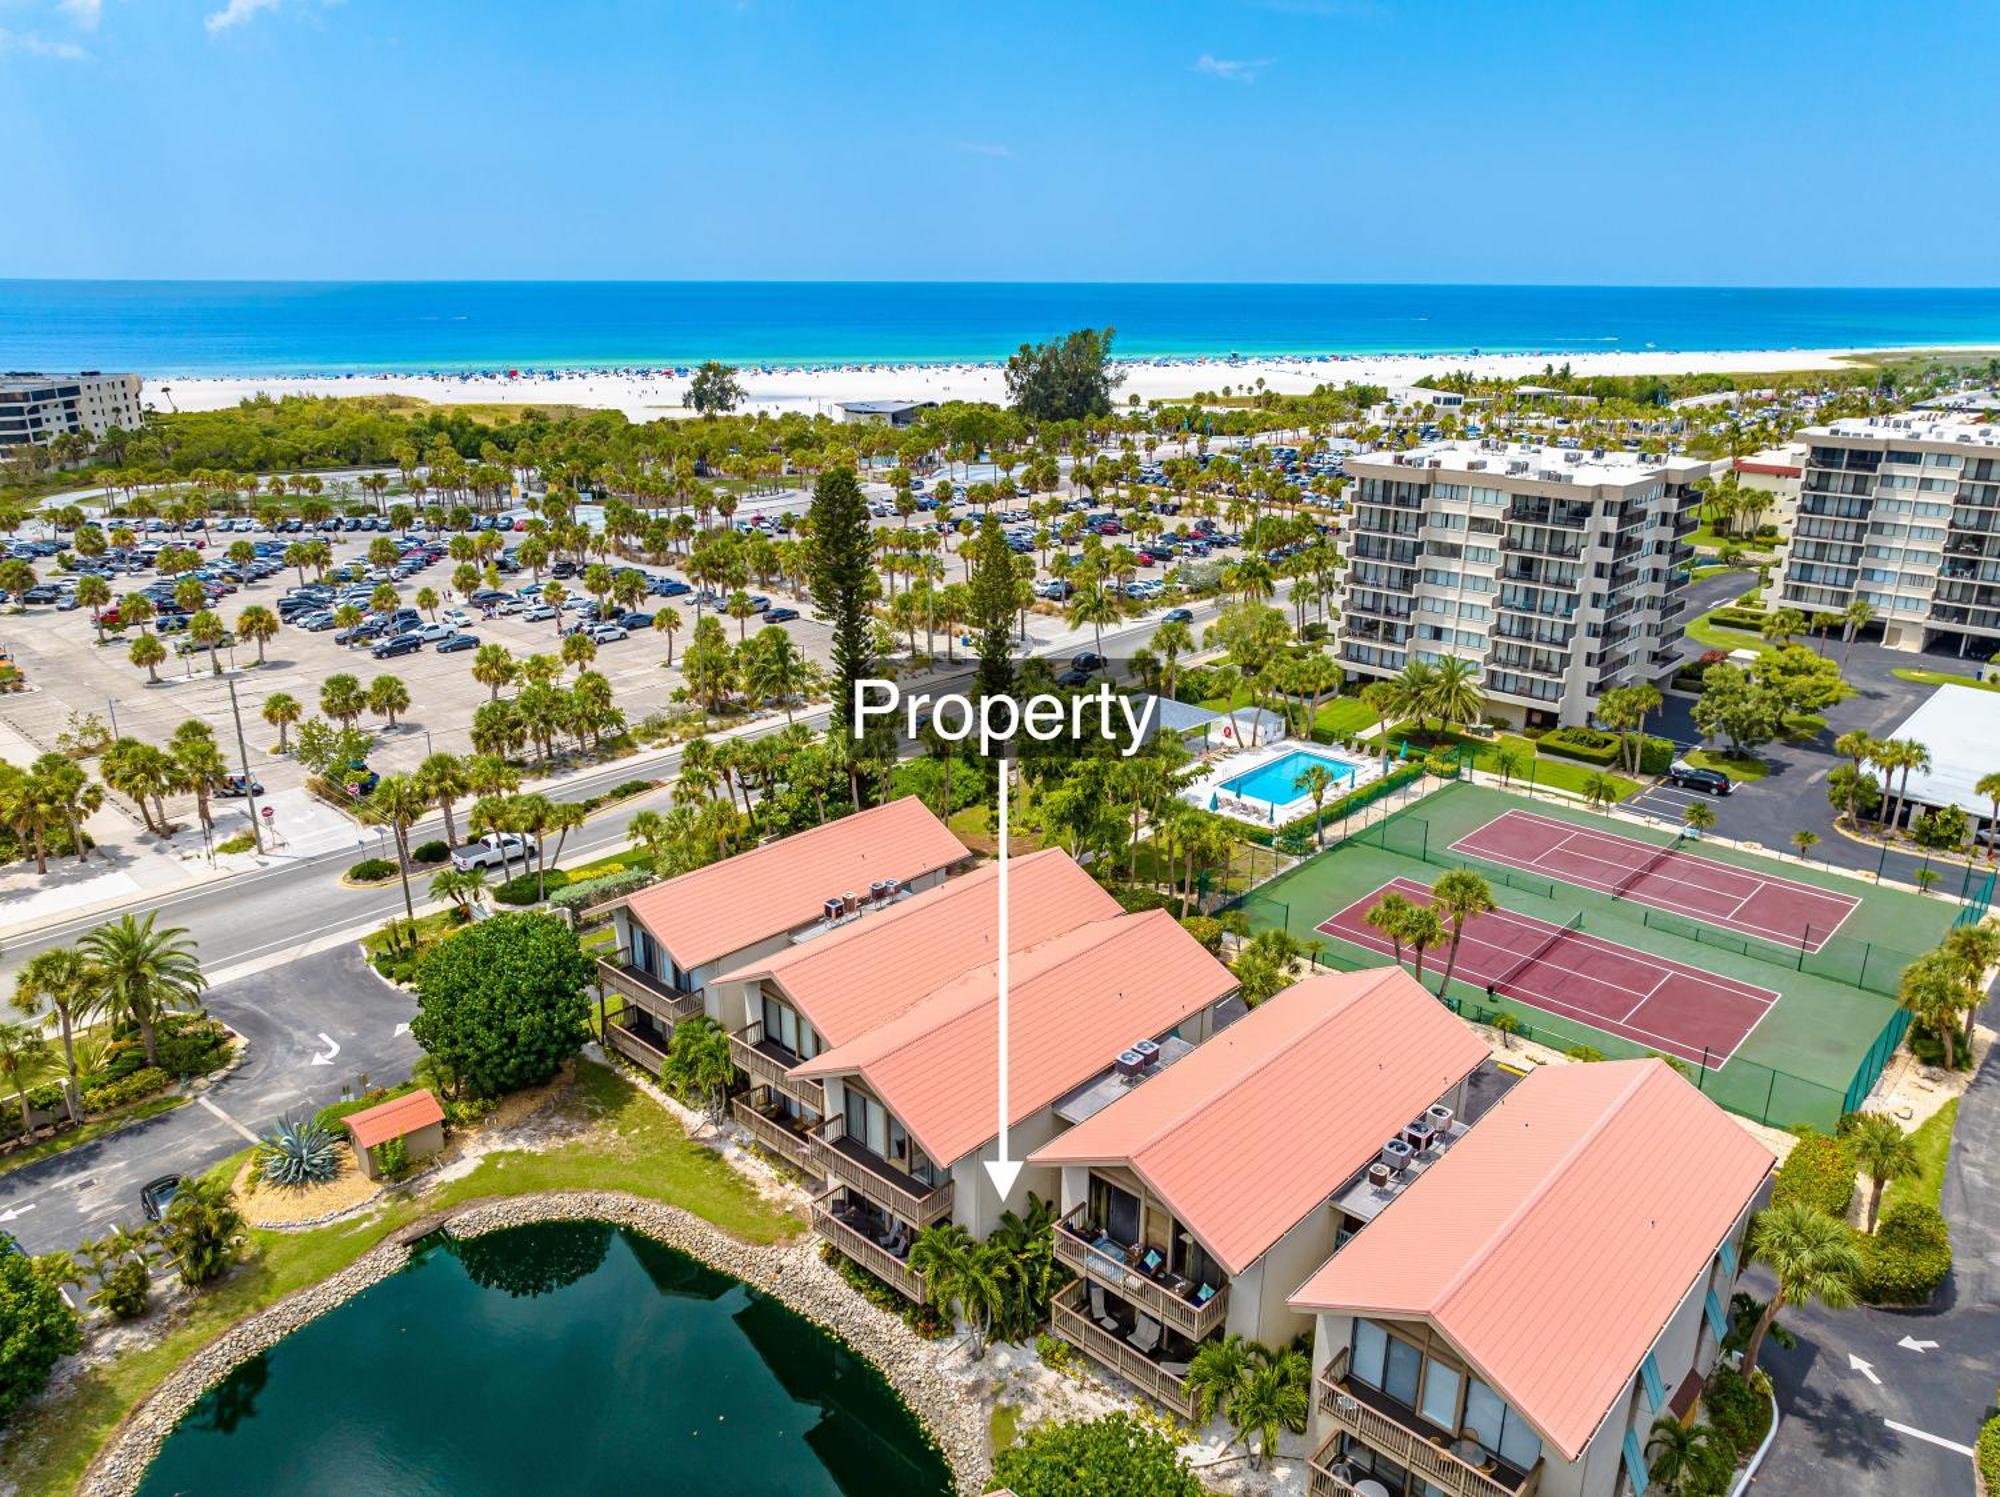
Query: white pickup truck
point(494, 850)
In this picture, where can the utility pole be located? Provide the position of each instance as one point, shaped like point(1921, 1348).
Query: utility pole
point(249, 779)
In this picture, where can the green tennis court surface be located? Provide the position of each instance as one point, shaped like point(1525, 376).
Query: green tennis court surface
point(1813, 1056)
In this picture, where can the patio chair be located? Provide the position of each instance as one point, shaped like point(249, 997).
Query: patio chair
point(1203, 1295)
point(1145, 1335)
point(1097, 1311)
point(1152, 1262)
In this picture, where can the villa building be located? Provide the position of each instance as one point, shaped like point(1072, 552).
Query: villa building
point(38, 408)
point(1556, 571)
point(673, 937)
point(1521, 1312)
point(872, 1049)
point(897, 413)
point(1196, 1200)
point(1903, 514)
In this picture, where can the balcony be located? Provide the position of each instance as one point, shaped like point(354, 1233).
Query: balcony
point(1090, 1255)
point(643, 990)
point(777, 1131)
point(1163, 1382)
point(767, 1063)
point(836, 1158)
point(1365, 1415)
point(645, 1048)
point(866, 1251)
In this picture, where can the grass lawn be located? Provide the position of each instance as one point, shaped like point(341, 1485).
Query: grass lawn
point(1933, 1141)
point(1736, 766)
point(1003, 1425)
point(91, 1131)
point(1705, 538)
point(1338, 717)
point(1942, 678)
point(1549, 770)
point(1716, 637)
point(631, 1145)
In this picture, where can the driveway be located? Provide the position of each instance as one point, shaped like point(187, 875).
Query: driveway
point(1841, 1431)
point(290, 1014)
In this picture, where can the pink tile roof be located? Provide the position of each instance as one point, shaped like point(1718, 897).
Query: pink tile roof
point(781, 885)
point(1076, 1000)
point(1554, 1241)
point(396, 1118)
point(1255, 1129)
point(851, 979)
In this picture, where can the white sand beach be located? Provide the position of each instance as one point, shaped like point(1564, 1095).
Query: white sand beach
point(648, 394)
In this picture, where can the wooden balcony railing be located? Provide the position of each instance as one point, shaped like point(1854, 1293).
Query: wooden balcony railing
point(870, 1254)
point(641, 1052)
point(774, 1133)
point(837, 1158)
point(1407, 1446)
point(758, 1060)
point(1069, 1321)
point(643, 990)
point(1165, 1304)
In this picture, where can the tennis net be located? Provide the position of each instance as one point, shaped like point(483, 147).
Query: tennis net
point(1540, 951)
point(1625, 884)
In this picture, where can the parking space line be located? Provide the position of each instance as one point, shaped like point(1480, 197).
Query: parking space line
point(245, 1132)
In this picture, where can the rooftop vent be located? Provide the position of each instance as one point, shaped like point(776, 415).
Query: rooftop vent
point(834, 908)
point(1130, 1064)
point(1396, 1154)
point(1440, 1116)
point(1379, 1176)
point(1148, 1052)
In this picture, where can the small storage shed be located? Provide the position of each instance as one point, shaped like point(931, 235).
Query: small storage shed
point(415, 1117)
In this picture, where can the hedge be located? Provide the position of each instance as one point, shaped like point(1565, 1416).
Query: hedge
point(1989, 1454)
point(372, 870)
point(146, 1082)
point(1820, 1172)
point(431, 852)
point(1592, 746)
point(581, 896)
point(1907, 1258)
point(527, 888)
point(1736, 1411)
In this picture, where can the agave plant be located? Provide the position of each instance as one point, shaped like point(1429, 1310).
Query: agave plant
point(299, 1153)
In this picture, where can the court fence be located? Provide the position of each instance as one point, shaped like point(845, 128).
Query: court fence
point(1868, 965)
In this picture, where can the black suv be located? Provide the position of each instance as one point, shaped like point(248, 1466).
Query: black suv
point(401, 644)
point(1708, 781)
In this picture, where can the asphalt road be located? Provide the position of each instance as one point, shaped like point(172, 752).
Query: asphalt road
point(331, 1005)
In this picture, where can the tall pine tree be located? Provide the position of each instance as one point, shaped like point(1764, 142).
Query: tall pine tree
point(993, 609)
point(841, 570)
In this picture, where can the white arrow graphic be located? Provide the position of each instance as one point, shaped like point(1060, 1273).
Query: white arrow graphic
point(1911, 1343)
point(1005, 1170)
point(402, 1029)
point(332, 1049)
point(1864, 1368)
point(13, 1212)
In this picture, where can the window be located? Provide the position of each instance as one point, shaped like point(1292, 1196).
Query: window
point(1717, 1322)
point(1402, 1371)
point(1656, 1392)
point(1635, 1464)
point(1499, 1428)
point(1371, 1344)
point(1440, 1403)
point(1117, 1210)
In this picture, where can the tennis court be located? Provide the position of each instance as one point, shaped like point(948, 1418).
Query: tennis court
point(1650, 1000)
point(1664, 877)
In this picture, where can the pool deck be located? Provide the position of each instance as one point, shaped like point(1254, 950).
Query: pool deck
point(1207, 792)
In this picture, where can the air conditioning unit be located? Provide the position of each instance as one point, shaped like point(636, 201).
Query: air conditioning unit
point(1379, 1176)
point(1419, 1135)
point(852, 902)
point(1396, 1154)
point(1148, 1052)
point(877, 892)
point(1440, 1116)
point(834, 908)
point(1130, 1064)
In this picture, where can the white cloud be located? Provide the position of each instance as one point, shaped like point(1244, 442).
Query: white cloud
point(235, 13)
point(85, 13)
point(1231, 69)
point(29, 44)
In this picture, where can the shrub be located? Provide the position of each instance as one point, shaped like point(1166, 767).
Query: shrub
point(1206, 930)
point(1585, 1053)
point(1907, 1258)
point(1139, 901)
point(192, 1049)
point(502, 1005)
point(527, 889)
point(1737, 1412)
point(125, 1290)
point(392, 1158)
point(1820, 1172)
point(1587, 744)
point(1989, 1454)
point(241, 842)
point(1116, 1453)
point(433, 851)
point(626, 788)
point(581, 895)
point(36, 1331)
point(296, 1153)
point(371, 870)
point(145, 1082)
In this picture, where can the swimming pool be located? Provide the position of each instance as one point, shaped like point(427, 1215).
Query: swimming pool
point(1277, 783)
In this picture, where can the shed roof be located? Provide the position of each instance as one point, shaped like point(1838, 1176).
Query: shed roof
point(396, 1118)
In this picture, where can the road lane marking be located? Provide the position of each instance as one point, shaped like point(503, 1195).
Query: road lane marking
point(245, 1132)
point(1918, 1434)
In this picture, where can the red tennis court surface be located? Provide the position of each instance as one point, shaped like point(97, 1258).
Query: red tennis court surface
point(1685, 883)
point(1661, 1004)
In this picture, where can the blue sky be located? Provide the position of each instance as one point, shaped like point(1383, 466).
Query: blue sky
point(1273, 140)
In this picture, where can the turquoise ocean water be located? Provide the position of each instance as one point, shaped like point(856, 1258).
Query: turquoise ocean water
point(218, 328)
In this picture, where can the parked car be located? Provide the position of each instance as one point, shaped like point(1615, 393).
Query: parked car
point(1088, 661)
point(455, 642)
point(399, 644)
point(236, 784)
point(538, 613)
point(635, 620)
point(458, 618)
point(430, 634)
point(1073, 677)
point(155, 1196)
point(1177, 616)
point(780, 615)
point(1693, 777)
point(605, 634)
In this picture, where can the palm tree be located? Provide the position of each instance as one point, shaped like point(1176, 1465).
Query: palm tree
point(1974, 951)
point(1860, 747)
point(1455, 696)
point(1854, 618)
point(141, 973)
point(1884, 1152)
point(402, 802)
point(1413, 687)
point(442, 778)
point(1316, 781)
point(1931, 989)
point(1095, 605)
point(1460, 895)
point(961, 1275)
point(257, 624)
point(1699, 817)
point(1422, 929)
point(1391, 916)
point(1674, 1451)
point(1215, 1373)
point(1272, 1397)
point(1814, 1258)
point(1805, 842)
point(465, 889)
point(59, 978)
point(493, 667)
point(1989, 786)
point(281, 710)
point(698, 1068)
point(24, 1053)
point(148, 652)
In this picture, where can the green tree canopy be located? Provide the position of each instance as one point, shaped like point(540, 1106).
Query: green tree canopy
point(1115, 1456)
point(503, 1004)
point(36, 1330)
point(1065, 379)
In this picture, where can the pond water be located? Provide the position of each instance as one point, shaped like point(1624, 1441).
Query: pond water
point(570, 1357)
